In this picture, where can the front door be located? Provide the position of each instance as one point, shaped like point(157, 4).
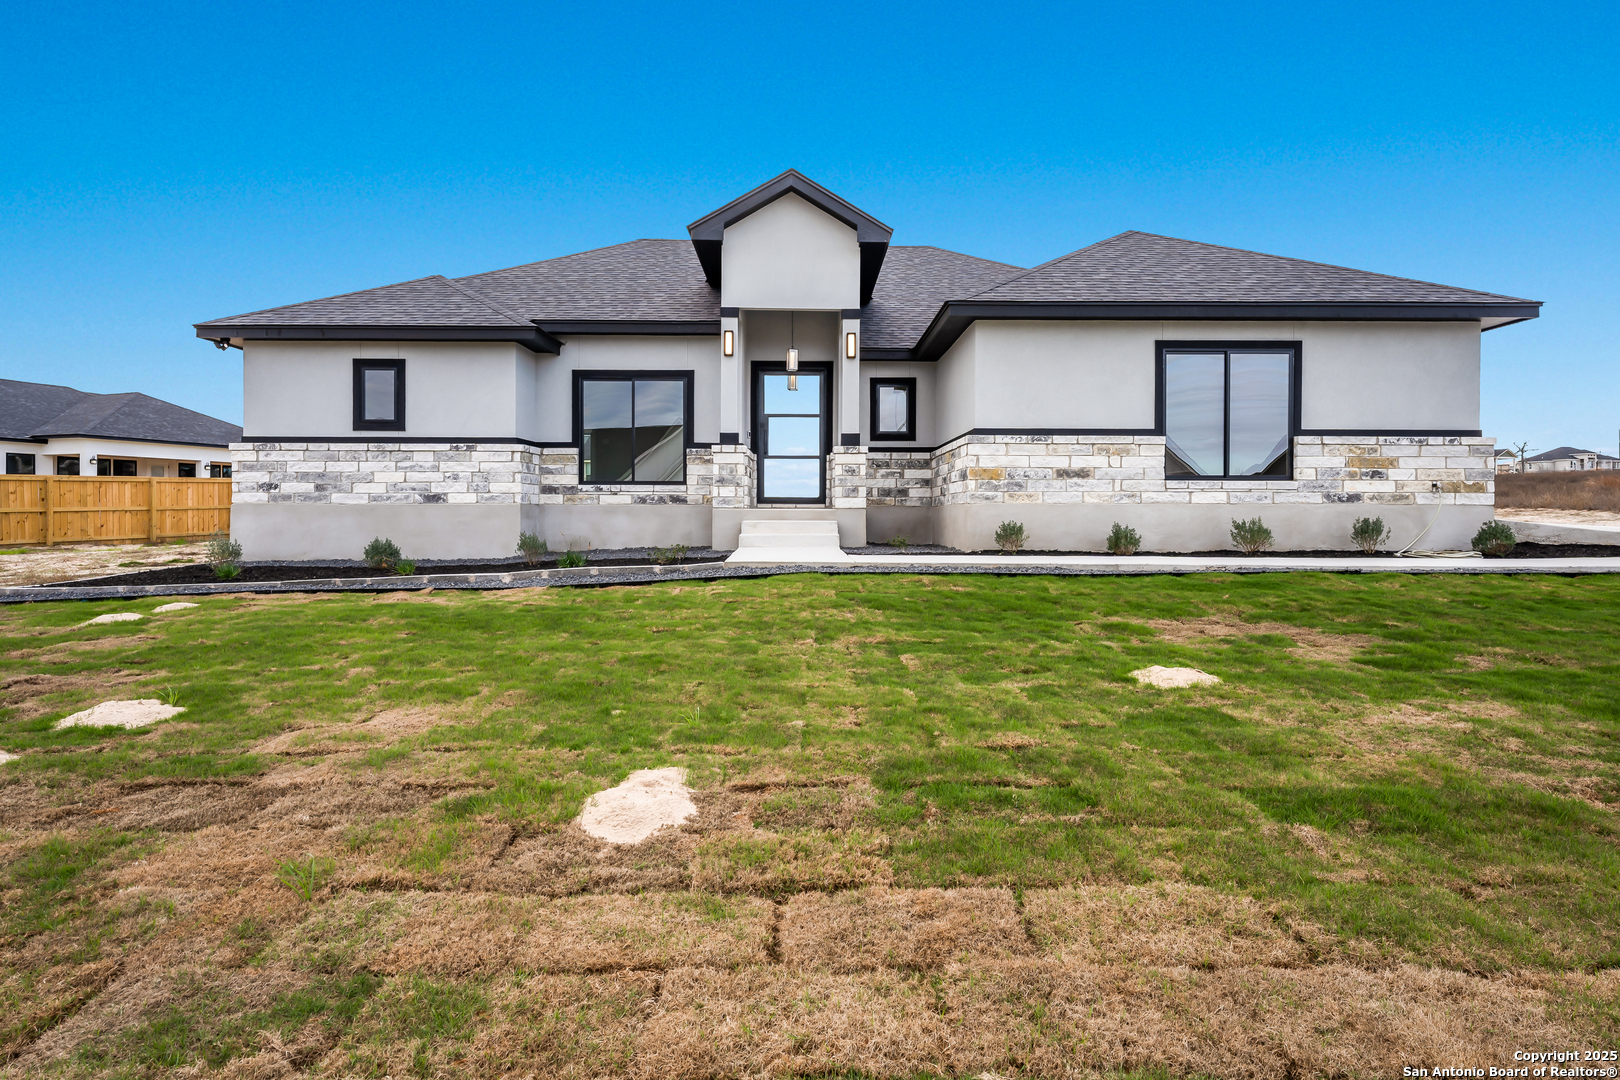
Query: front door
point(791, 430)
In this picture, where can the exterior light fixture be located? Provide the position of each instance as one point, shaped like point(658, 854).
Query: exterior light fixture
point(792, 355)
point(728, 343)
point(849, 345)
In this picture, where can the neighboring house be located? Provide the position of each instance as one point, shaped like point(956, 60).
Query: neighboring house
point(46, 429)
point(1569, 459)
point(1507, 461)
point(641, 394)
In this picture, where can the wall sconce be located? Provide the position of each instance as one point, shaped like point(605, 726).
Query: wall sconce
point(728, 343)
point(849, 345)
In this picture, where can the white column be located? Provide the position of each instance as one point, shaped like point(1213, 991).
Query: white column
point(732, 420)
point(849, 379)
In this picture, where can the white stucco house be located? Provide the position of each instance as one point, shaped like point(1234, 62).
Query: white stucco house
point(784, 361)
point(1569, 459)
point(46, 429)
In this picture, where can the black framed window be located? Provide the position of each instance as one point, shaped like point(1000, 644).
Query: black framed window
point(20, 464)
point(379, 395)
point(219, 472)
point(632, 427)
point(894, 409)
point(186, 470)
point(792, 431)
point(67, 466)
point(106, 466)
point(1228, 409)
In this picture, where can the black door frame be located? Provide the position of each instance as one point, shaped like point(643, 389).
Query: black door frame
point(760, 368)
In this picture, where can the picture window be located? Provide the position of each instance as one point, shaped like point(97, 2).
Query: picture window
point(894, 409)
point(1227, 410)
point(632, 427)
point(379, 395)
point(20, 464)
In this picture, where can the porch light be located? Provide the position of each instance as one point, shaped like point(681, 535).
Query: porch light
point(849, 345)
point(792, 354)
point(793, 360)
point(728, 343)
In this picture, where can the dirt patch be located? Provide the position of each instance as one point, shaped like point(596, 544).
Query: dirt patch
point(386, 727)
point(62, 652)
point(773, 864)
point(22, 692)
point(38, 565)
point(124, 714)
point(1173, 678)
point(906, 929)
point(1010, 740)
point(1308, 644)
point(646, 801)
point(178, 605)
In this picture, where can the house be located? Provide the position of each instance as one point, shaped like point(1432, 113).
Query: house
point(48, 429)
point(785, 362)
point(1569, 459)
point(1507, 461)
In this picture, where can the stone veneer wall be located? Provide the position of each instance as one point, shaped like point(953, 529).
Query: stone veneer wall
point(1079, 469)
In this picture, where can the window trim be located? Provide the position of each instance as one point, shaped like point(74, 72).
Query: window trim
point(360, 422)
point(180, 468)
point(1161, 348)
point(33, 464)
point(758, 436)
point(581, 377)
point(910, 386)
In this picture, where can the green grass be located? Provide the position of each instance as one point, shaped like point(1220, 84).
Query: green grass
point(1437, 788)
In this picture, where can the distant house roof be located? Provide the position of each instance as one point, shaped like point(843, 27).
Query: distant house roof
point(1565, 453)
point(35, 412)
point(916, 300)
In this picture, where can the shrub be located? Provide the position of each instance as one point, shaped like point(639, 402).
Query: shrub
point(673, 553)
point(1010, 536)
point(381, 554)
point(901, 542)
point(1494, 538)
point(405, 566)
point(1123, 540)
point(305, 876)
point(1368, 533)
point(570, 559)
point(224, 556)
point(1251, 537)
point(531, 547)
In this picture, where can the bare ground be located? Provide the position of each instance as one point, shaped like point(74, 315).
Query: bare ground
point(761, 938)
point(67, 562)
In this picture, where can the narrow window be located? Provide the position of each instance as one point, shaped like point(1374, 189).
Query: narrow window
point(1227, 411)
point(20, 464)
point(186, 470)
point(67, 466)
point(632, 427)
point(894, 409)
point(379, 395)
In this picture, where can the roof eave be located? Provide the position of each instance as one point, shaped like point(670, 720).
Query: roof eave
point(954, 316)
point(532, 338)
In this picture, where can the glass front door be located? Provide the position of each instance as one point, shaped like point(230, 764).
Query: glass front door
point(791, 432)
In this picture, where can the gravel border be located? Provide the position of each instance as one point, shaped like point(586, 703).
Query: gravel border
point(636, 575)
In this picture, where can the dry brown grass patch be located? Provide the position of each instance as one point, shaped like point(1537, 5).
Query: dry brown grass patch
point(22, 692)
point(772, 864)
point(1010, 740)
point(907, 929)
point(838, 808)
point(1309, 644)
point(563, 1026)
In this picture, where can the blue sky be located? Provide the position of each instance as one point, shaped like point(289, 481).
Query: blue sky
point(162, 164)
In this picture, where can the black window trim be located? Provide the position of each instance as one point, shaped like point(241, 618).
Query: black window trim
point(581, 377)
point(910, 386)
point(33, 463)
point(758, 369)
point(360, 368)
point(1162, 348)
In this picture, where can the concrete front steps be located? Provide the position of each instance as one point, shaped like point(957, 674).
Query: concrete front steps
point(789, 541)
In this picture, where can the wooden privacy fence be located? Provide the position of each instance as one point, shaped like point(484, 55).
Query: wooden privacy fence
point(66, 509)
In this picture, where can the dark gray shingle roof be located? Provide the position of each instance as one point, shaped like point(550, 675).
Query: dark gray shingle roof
point(641, 281)
point(1138, 267)
point(429, 301)
point(41, 411)
point(914, 282)
point(1562, 452)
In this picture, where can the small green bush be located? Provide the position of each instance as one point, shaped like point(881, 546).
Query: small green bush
point(1368, 533)
point(1494, 538)
point(1251, 537)
point(666, 555)
point(381, 554)
point(531, 547)
point(1123, 540)
point(570, 559)
point(901, 542)
point(1010, 536)
point(224, 556)
point(405, 566)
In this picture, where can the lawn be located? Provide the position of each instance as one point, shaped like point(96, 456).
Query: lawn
point(941, 830)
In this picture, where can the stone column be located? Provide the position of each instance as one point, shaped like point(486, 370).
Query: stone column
point(846, 478)
point(733, 477)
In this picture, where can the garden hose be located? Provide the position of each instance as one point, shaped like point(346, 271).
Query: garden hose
point(1407, 552)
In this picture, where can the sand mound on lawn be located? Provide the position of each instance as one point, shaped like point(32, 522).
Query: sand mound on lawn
point(648, 800)
point(180, 606)
point(5, 757)
point(1173, 678)
point(125, 714)
point(117, 616)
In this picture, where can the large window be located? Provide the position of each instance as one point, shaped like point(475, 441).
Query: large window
point(379, 395)
point(20, 464)
point(1227, 410)
point(632, 427)
point(106, 466)
point(67, 466)
point(894, 409)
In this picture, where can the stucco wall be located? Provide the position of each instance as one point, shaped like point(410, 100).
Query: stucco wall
point(789, 254)
point(554, 378)
point(452, 389)
point(927, 433)
point(1100, 375)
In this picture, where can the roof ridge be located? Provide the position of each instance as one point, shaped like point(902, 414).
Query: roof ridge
point(469, 294)
point(1050, 262)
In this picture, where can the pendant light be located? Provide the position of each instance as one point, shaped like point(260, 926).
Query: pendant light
point(792, 355)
